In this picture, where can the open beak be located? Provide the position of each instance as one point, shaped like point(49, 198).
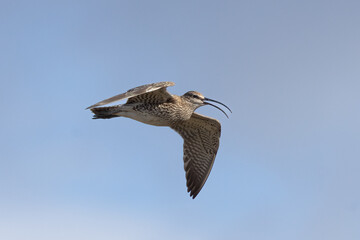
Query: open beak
point(211, 100)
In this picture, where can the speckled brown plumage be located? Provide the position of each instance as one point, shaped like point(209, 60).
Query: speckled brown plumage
point(201, 142)
point(152, 104)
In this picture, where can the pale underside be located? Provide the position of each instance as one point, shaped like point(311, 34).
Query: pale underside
point(201, 134)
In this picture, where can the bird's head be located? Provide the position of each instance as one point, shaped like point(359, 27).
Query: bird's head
point(198, 100)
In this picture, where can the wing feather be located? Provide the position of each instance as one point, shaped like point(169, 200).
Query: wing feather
point(137, 91)
point(201, 136)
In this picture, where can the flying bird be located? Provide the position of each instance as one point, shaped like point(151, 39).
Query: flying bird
point(153, 104)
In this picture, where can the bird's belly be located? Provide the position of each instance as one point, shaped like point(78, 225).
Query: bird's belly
point(146, 118)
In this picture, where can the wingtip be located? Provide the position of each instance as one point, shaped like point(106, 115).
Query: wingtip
point(92, 106)
point(194, 192)
point(193, 195)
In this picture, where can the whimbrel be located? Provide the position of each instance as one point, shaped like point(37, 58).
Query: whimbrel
point(152, 104)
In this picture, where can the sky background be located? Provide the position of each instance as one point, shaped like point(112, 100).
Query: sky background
point(289, 159)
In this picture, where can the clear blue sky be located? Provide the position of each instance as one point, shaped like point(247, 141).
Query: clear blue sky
point(289, 160)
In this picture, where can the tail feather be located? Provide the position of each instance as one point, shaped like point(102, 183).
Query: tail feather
point(105, 112)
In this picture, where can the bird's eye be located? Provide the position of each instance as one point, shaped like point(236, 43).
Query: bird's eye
point(196, 96)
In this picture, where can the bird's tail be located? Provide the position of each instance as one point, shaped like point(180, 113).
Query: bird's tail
point(105, 112)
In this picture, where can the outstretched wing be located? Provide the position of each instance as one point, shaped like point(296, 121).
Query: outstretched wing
point(135, 93)
point(201, 136)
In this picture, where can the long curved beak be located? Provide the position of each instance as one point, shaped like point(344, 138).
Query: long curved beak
point(211, 100)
